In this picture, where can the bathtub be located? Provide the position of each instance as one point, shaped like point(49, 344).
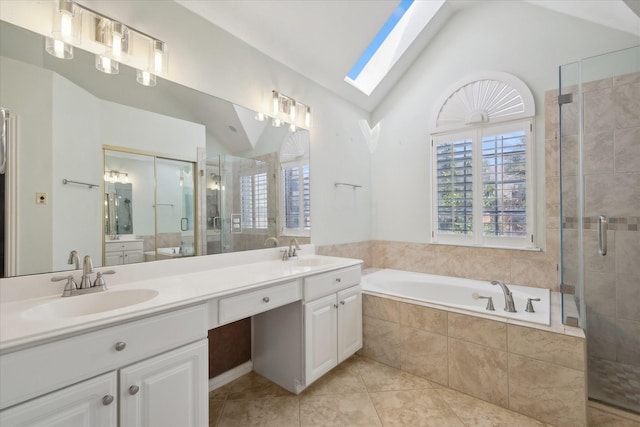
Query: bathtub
point(455, 293)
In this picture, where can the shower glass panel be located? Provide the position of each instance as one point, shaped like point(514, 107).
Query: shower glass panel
point(174, 208)
point(600, 209)
point(248, 195)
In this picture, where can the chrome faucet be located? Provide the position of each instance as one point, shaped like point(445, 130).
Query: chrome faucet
point(74, 258)
point(275, 241)
point(509, 306)
point(85, 287)
point(293, 249)
point(87, 269)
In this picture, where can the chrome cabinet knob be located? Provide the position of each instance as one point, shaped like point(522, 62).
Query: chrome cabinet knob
point(265, 299)
point(335, 305)
point(134, 389)
point(107, 400)
point(341, 302)
point(338, 280)
point(121, 345)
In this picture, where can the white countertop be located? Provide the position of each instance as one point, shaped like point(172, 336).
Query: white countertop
point(174, 290)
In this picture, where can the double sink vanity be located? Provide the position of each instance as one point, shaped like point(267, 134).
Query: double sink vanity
point(136, 354)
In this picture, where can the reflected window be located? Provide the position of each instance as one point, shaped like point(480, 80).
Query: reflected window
point(254, 201)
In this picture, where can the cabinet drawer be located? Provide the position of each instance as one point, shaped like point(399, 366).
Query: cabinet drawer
point(333, 281)
point(245, 305)
point(37, 370)
point(123, 246)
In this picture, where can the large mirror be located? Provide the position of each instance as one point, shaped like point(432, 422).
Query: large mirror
point(118, 171)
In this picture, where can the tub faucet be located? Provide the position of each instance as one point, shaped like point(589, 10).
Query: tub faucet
point(509, 306)
point(87, 269)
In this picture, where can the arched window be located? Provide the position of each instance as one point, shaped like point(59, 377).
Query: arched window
point(482, 154)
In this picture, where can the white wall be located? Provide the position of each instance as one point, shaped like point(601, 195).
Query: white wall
point(76, 154)
point(511, 36)
point(31, 86)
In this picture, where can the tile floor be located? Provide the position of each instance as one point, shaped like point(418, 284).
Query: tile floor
point(362, 392)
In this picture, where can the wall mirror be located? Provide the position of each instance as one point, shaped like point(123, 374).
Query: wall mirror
point(77, 124)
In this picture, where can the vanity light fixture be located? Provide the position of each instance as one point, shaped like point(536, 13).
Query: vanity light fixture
point(287, 110)
point(116, 176)
point(66, 29)
point(149, 59)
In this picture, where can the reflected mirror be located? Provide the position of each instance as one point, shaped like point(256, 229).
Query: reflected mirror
point(76, 124)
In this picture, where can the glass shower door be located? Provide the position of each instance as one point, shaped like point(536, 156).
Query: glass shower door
point(600, 181)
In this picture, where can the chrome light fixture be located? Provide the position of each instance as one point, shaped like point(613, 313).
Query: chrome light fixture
point(66, 29)
point(150, 58)
point(287, 110)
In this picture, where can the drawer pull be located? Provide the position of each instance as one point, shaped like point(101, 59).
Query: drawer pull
point(107, 400)
point(335, 305)
point(265, 300)
point(338, 280)
point(341, 302)
point(134, 389)
point(120, 345)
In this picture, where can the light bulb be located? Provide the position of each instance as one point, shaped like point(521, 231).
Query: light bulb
point(116, 45)
point(145, 78)
point(307, 118)
point(58, 48)
point(292, 127)
point(65, 25)
point(276, 103)
point(276, 123)
point(260, 117)
point(158, 62)
point(106, 65)
point(292, 111)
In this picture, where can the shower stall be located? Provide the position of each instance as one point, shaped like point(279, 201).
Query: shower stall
point(599, 100)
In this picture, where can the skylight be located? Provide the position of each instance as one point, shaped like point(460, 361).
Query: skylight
point(393, 39)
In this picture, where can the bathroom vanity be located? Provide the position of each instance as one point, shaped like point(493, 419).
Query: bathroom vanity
point(105, 362)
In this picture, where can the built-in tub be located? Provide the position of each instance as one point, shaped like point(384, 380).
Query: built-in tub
point(457, 293)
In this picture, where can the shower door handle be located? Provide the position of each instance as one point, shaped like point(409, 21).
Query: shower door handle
point(602, 235)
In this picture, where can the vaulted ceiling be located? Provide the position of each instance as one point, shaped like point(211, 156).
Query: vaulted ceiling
point(322, 39)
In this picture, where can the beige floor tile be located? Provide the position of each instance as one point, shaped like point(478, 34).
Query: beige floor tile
point(415, 408)
point(215, 409)
point(478, 413)
point(338, 410)
point(254, 386)
point(271, 412)
point(220, 393)
point(343, 379)
point(380, 377)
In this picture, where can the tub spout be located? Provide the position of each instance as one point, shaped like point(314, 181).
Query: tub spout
point(509, 306)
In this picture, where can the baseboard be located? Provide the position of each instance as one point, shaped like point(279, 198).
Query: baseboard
point(232, 374)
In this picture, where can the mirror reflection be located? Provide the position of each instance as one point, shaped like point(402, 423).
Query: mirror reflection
point(74, 123)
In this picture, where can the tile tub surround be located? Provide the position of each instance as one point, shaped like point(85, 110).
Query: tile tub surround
point(537, 371)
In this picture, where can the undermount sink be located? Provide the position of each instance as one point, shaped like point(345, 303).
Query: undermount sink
point(82, 305)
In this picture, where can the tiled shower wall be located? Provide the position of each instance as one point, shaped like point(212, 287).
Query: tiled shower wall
point(611, 170)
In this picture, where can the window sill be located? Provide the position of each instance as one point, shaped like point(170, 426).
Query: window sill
point(511, 248)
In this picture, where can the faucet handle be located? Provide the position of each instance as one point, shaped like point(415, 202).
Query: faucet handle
point(100, 280)
point(69, 287)
point(529, 308)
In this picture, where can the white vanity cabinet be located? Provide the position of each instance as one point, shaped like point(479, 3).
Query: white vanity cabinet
point(123, 252)
point(159, 362)
point(91, 403)
point(296, 344)
point(333, 323)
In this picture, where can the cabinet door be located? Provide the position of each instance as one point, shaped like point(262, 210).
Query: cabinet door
point(349, 322)
point(131, 257)
point(91, 403)
point(167, 390)
point(113, 258)
point(321, 337)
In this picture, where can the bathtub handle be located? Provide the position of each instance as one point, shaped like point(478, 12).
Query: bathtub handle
point(489, 306)
point(602, 235)
point(529, 308)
